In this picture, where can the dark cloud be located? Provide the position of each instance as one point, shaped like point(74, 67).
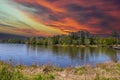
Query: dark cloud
point(43, 12)
point(113, 2)
point(39, 9)
point(83, 15)
point(75, 8)
point(52, 0)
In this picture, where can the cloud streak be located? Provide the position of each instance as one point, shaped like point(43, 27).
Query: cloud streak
point(52, 17)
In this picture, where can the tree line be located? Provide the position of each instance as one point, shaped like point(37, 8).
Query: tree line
point(73, 38)
point(76, 38)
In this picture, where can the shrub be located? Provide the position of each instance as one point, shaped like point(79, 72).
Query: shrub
point(44, 77)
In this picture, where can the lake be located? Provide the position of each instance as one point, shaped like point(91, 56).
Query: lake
point(56, 55)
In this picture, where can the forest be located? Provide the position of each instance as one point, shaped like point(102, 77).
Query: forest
point(73, 38)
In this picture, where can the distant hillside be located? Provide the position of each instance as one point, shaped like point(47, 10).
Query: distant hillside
point(11, 36)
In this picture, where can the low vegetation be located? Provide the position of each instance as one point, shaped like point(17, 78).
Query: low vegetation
point(105, 71)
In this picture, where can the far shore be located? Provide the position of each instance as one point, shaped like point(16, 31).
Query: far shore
point(112, 46)
point(88, 45)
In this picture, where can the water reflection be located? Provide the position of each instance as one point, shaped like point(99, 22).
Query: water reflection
point(62, 56)
point(80, 56)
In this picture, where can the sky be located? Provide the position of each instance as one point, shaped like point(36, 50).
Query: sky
point(55, 17)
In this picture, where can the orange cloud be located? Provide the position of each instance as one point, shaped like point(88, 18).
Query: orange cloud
point(45, 4)
point(96, 16)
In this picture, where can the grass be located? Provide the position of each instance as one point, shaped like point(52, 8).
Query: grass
point(44, 77)
point(8, 73)
point(105, 71)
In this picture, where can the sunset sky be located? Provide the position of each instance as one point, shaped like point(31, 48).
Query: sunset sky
point(53, 17)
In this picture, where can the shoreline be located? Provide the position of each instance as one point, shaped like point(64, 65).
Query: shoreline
point(65, 45)
point(109, 46)
point(103, 71)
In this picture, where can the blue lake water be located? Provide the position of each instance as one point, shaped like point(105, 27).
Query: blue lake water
point(56, 55)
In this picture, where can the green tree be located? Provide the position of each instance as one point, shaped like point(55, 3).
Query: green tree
point(115, 35)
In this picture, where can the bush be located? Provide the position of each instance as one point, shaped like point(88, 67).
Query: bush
point(44, 77)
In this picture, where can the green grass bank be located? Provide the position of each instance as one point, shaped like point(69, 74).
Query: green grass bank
point(104, 71)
